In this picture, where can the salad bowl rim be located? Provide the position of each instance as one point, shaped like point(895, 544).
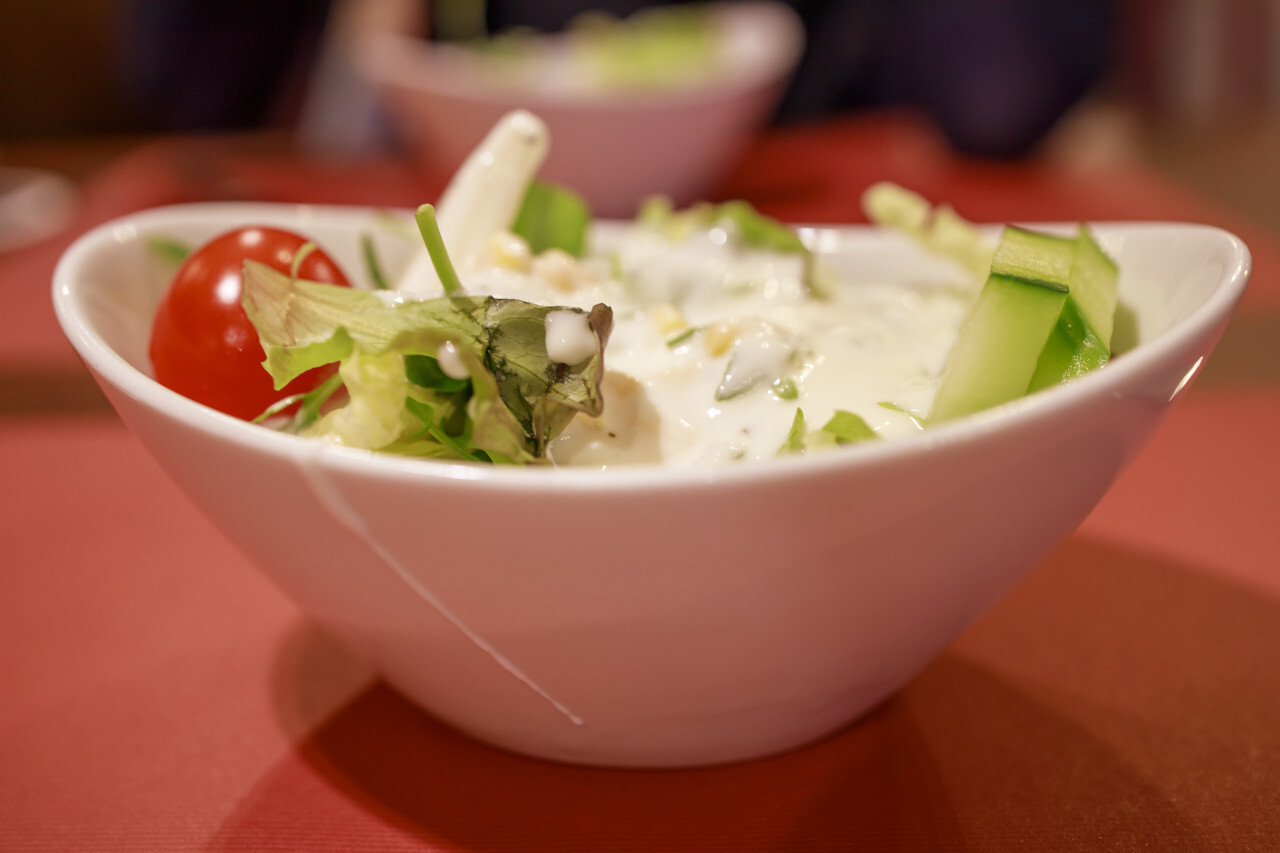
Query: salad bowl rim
point(1029, 412)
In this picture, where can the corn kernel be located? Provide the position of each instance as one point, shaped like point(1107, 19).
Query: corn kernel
point(509, 251)
point(719, 337)
point(667, 318)
point(558, 268)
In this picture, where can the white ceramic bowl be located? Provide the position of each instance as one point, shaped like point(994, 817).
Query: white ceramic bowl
point(655, 616)
point(614, 149)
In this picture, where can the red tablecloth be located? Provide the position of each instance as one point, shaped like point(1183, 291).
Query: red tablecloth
point(158, 694)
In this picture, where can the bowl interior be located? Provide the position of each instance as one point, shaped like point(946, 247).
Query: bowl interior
point(1175, 278)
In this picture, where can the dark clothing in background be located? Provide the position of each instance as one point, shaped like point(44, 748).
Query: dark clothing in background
point(217, 64)
point(994, 74)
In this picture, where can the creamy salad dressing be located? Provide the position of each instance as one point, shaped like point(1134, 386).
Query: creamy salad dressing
point(569, 338)
point(715, 345)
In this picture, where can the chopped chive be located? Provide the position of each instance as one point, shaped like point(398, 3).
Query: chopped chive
point(785, 389)
point(370, 253)
point(277, 407)
point(794, 442)
point(919, 422)
point(313, 401)
point(430, 230)
point(309, 405)
point(426, 413)
point(169, 250)
point(682, 337)
point(301, 255)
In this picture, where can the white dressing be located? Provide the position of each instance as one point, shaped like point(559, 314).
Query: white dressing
point(450, 361)
point(569, 337)
point(715, 345)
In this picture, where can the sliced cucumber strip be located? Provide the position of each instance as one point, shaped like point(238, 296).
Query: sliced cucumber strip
point(1045, 316)
point(999, 346)
point(1034, 256)
point(1073, 349)
point(1082, 339)
point(1095, 282)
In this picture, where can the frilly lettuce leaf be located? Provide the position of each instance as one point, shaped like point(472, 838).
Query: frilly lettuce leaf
point(938, 229)
point(518, 400)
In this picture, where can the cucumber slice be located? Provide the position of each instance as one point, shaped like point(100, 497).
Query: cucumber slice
point(1034, 256)
point(1006, 330)
point(1094, 284)
point(1073, 349)
point(1045, 315)
point(999, 345)
point(1082, 339)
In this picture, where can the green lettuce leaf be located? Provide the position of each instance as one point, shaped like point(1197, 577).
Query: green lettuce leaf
point(518, 400)
point(939, 230)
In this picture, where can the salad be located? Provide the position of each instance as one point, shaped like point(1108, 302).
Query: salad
point(659, 49)
point(522, 332)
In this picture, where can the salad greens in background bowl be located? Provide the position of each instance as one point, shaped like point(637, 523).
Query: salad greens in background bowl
point(641, 495)
point(625, 126)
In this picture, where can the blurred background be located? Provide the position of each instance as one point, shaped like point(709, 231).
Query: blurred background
point(1190, 87)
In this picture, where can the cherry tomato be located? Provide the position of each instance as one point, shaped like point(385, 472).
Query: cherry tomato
point(202, 343)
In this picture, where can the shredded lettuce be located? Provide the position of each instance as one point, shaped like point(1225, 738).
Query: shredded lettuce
point(753, 228)
point(843, 428)
point(939, 230)
point(372, 264)
point(749, 228)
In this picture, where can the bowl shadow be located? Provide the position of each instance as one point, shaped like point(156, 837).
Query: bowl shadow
point(970, 755)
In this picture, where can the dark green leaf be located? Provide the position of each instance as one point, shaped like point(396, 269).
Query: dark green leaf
point(552, 217)
point(425, 371)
